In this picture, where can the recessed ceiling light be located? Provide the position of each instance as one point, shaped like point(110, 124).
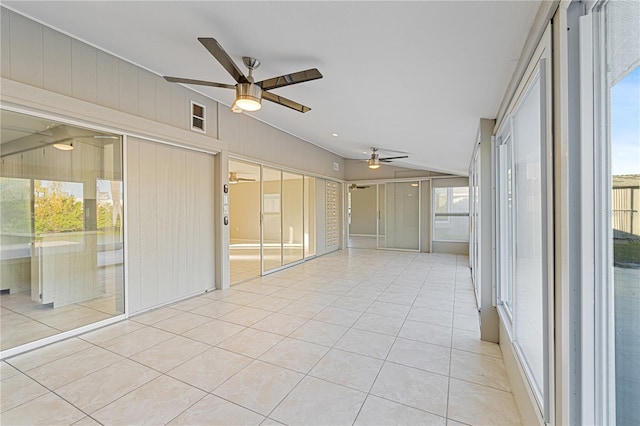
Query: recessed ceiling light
point(335, 135)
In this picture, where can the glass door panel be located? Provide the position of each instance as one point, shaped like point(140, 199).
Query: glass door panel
point(362, 213)
point(292, 217)
point(271, 218)
point(399, 215)
point(244, 221)
point(309, 216)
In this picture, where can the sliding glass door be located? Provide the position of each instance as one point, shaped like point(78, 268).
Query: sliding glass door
point(399, 215)
point(271, 219)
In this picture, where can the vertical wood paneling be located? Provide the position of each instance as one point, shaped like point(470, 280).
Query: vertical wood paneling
point(107, 80)
point(133, 223)
point(57, 62)
point(26, 50)
point(84, 61)
point(146, 94)
point(179, 107)
point(163, 100)
point(179, 221)
point(5, 43)
point(128, 87)
point(164, 224)
point(149, 209)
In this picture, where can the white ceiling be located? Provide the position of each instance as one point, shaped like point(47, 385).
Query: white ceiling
point(406, 76)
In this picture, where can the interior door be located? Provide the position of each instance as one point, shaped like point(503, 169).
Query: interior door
point(399, 216)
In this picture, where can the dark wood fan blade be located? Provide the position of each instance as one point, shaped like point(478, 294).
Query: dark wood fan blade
point(289, 79)
point(285, 102)
point(388, 159)
point(212, 45)
point(246, 180)
point(198, 82)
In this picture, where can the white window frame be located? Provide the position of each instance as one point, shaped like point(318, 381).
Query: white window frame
point(192, 115)
point(448, 215)
point(540, 65)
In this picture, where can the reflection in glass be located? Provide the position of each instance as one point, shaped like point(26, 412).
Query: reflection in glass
point(399, 205)
point(528, 280)
point(292, 217)
point(61, 235)
point(623, 86)
point(309, 216)
point(272, 218)
point(451, 214)
point(244, 221)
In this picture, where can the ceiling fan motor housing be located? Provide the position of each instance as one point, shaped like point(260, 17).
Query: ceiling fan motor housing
point(249, 94)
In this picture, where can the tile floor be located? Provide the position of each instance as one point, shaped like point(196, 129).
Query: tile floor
point(354, 337)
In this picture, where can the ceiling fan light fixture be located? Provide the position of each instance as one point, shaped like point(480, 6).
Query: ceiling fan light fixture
point(374, 162)
point(63, 146)
point(248, 97)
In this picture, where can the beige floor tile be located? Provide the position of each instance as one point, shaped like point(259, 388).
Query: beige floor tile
point(170, 353)
point(381, 412)
point(94, 391)
point(428, 333)
point(352, 303)
point(157, 402)
point(319, 332)
point(156, 315)
point(316, 402)
point(7, 370)
point(366, 343)
point(424, 356)
point(470, 341)
point(302, 309)
point(415, 388)
point(250, 342)
point(339, 316)
point(110, 332)
point(137, 341)
point(295, 355)
point(242, 297)
point(49, 353)
point(270, 303)
point(480, 369)
point(16, 336)
point(454, 423)
point(398, 298)
point(214, 332)
point(280, 324)
point(86, 421)
point(319, 298)
point(466, 322)
point(215, 411)
point(290, 293)
point(47, 410)
point(379, 324)
point(210, 369)
point(259, 386)
point(73, 367)
point(348, 369)
point(392, 310)
point(18, 389)
point(215, 309)
point(245, 316)
point(190, 304)
point(432, 316)
point(181, 323)
point(270, 422)
point(478, 405)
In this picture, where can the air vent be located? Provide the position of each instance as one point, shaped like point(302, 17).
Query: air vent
point(198, 114)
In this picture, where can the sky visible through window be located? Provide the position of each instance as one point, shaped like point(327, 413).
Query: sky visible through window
point(625, 125)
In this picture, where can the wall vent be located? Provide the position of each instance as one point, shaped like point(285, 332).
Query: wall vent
point(198, 114)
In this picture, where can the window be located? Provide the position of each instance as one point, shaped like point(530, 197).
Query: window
point(617, 228)
point(198, 117)
point(524, 225)
point(451, 214)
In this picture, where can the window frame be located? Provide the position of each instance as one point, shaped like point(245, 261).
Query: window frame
point(448, 215)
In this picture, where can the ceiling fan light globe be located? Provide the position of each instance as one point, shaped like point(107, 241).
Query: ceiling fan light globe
point(63, 146)
point(248, 96)
point(374, 163)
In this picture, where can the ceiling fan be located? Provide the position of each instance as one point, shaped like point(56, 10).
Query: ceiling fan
point(354, 186)
point(233, 178)
point(375, 159)
point(249, 93)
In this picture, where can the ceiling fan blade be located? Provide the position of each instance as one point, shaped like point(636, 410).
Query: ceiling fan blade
point(387, 159)
point(246, 180)
point(212, 45)
point(289, 79)
point(198, 82)
point(285, 102)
